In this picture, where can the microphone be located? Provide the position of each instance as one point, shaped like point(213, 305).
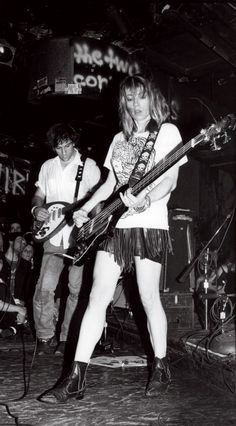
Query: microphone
point(181, 278)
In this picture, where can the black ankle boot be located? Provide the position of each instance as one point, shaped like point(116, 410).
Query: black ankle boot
point(159, 379)
point(73, 385)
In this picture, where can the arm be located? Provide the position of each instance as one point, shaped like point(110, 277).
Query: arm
point(166, 185)
point(168, 138)
point(102, 193)
point(20, 310)
point(163, 188)
point(38, 211)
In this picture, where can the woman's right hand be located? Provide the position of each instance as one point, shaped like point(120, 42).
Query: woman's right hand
point(80, 217)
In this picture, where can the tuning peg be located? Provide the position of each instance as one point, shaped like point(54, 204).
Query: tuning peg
point(231, 121)
point(204, 133)
point(214, 145)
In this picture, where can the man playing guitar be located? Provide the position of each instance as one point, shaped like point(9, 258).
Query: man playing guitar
point(58, 184)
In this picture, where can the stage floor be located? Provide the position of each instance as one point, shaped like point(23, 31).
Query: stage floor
point(116, 381)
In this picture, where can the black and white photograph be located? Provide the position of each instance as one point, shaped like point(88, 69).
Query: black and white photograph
point(117, 213)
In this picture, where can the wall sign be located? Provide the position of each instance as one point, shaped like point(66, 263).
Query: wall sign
point(14, 176)
point(96, 64)
point(77, 66)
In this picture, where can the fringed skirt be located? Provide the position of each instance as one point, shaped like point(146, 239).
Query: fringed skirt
point(146, 243)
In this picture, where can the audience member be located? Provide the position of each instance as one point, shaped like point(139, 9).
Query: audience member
point(15, 227)
point(13, 314)
point(14, 275)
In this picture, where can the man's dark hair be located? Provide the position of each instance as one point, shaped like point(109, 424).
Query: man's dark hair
point(61, 132)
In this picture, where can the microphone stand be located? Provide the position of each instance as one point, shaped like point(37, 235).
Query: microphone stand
point(181, 278)
point(206, 286)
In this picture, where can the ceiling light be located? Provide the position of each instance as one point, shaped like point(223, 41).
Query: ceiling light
point(7, 53)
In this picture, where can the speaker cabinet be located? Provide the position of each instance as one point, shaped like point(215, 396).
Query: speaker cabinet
point(181, 233)
point(179, 307)
point(186, 194)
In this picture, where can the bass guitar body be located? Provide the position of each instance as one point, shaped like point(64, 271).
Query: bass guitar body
point(98, 228)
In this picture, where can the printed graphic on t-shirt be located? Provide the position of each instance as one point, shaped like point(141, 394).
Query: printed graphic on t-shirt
point(124, 157)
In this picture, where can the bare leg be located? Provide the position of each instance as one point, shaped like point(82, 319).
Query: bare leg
point(148, 278)
point(105, 276)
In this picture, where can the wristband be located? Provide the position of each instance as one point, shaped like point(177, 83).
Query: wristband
point(33, 210)
point(148, 201)
point(145, 206)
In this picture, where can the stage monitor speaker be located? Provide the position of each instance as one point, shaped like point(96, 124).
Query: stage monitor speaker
point(181, 234)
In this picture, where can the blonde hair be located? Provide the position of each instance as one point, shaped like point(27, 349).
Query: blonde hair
point(159, 109)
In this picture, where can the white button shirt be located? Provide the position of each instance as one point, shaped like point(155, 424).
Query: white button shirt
point(58, 184)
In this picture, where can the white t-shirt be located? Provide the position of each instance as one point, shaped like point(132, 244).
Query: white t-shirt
point(58, 184)
point(121, 158)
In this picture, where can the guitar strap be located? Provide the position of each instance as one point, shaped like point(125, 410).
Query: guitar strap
point(78, 177)
point(141, 164)
point(74, 231)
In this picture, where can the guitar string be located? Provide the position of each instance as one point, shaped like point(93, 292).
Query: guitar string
point(166, 162)
point(150, 176)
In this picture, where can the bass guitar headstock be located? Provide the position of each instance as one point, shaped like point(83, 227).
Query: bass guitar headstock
point(217, 133)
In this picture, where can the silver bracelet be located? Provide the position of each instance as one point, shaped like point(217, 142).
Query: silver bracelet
point(148, 200)
point(33, 210)
point(146, 205)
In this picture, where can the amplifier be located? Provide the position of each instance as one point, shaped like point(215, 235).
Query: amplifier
point(179, 309)
point(181, 234)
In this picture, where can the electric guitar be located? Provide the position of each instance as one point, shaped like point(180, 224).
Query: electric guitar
point(99, 227)
point(60, 215)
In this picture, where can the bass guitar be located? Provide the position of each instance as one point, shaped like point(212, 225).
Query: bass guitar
point(99, 227)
